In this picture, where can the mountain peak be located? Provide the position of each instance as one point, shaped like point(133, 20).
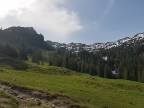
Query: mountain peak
point(76, 47)
point(18, 35)
point(21, 29)
point(139, 35)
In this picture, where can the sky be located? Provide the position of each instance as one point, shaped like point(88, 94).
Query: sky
point(80, 21)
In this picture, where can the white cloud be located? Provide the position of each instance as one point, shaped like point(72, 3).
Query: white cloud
point(6, 6)
point(47, 15)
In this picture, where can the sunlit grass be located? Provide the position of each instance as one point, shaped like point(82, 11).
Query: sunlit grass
point(86, 90)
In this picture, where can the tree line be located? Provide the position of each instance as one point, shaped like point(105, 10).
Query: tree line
point(22, 52)
point(125, 62)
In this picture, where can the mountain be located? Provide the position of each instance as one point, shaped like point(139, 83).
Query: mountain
point(27, 35)
point(17, 36)
point(77, 47)
point(120, 59)
point(42, 84)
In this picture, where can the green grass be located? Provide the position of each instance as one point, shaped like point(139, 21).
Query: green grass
point(86, 90)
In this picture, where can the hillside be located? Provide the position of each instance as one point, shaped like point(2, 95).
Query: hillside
point(74, 90)
point(124, 61)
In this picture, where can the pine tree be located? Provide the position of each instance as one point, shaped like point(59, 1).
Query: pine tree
point(107, 72)
point(36, 58)
point(23, 53)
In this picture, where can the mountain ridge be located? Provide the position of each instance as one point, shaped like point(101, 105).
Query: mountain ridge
point(76, 47)
point(17, 36)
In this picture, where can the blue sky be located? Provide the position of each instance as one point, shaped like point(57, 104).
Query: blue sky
point(85, 21)
point(109, 20)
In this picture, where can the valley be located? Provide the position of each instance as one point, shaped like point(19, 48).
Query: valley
point(36, 74)
point(71, 54)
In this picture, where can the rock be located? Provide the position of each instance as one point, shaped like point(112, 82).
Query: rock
point(38, 101)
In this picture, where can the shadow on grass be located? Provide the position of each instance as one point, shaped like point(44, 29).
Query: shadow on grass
point(14, 63)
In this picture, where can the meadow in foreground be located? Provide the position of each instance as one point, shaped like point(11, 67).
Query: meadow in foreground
point(85, 90)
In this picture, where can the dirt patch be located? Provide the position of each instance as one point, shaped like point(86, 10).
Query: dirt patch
point(37, 98)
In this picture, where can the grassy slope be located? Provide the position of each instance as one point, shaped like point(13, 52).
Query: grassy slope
point(85, 89)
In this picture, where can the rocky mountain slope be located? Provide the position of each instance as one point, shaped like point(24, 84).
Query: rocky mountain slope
point(76, 47)
point(16, 36)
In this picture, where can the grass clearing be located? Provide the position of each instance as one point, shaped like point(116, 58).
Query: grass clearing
point(85, 90)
